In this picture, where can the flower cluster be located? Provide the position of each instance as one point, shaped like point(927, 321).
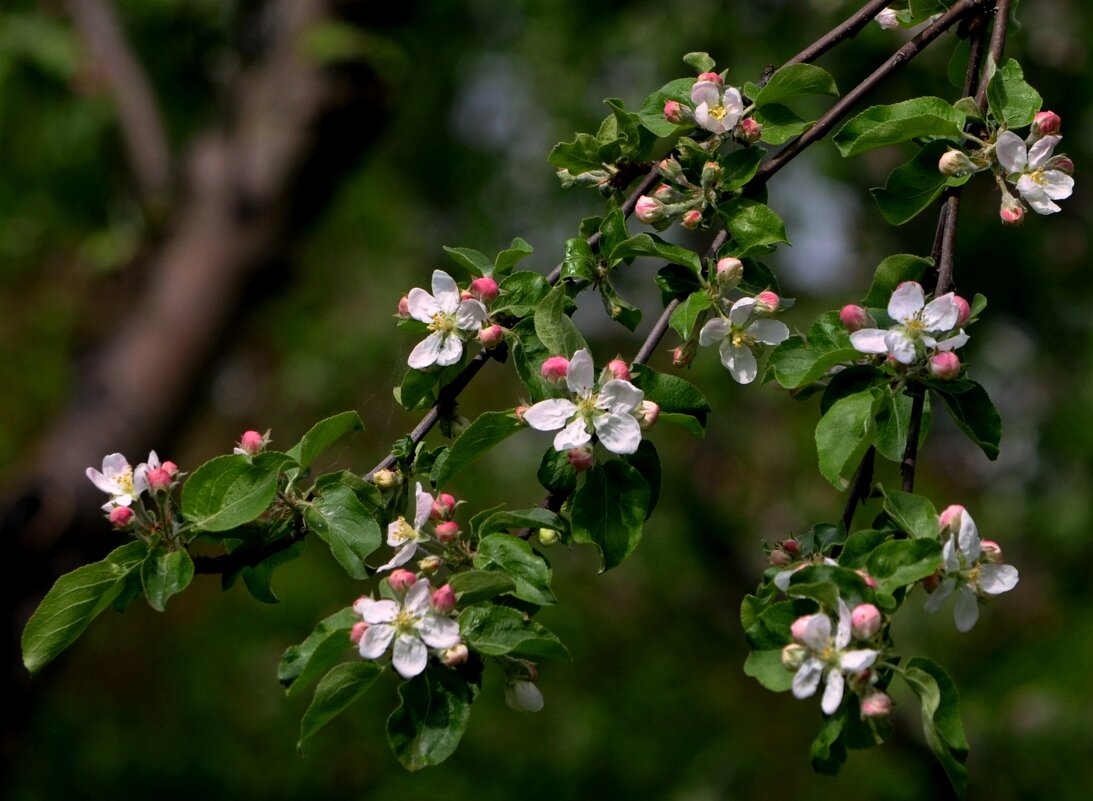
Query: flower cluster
point(742, 334)
point(125, 485)
point(408, 538)
point(450, 317)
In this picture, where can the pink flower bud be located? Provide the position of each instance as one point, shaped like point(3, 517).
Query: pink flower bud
point(619, 368)
point(357, 632)
point(965, 310)
point(444, 599)
point(121, 516)
point(171, 468)
point(158, 479)
point(447, 532)
point(870, 582)
point(780, 558)
point(1011, 212)
point(949, 520)
point(750, 130)
point(955, 164)
point(797, 630)
point(664, 193)
point(491, 336)
point(484, 289)
point(430, 564)
point(648, 210)
point(876, 705)
point(855, 318)
point(692, 219)
point(681, 356)
point(581, 458)
point(887, 19)
point(729, 272)
point(791, 546)
point(443, 505)
point(648, 414)
point(768, 301)
point(456, 655)
point(945, 365)
point(991, 550)
point(554, 369)
point(385, 479)
point(1046, 123)
point(1061, 163)
point(401, 580)
point(673, 112)
point(712, 77)
point(404, 306)
point(252, 442)
point(865, 621)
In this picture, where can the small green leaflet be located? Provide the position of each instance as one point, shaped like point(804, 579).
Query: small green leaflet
point(322, 435)
point(429, 722)
point(880, 126)
point(479, 437)
point(339, 688)
point(609, 510)
point(302, 664)
point(843, 435)
point(229, 491)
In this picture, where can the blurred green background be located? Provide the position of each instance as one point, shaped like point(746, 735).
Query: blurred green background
point(448, 146)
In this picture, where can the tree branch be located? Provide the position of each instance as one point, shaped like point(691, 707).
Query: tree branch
point(847, 30)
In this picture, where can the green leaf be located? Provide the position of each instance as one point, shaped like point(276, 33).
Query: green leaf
point(523, 518)
point(484, 433)
point(367, 492)
point(796, 80)
point(796, 365)
point(766, 667)
point(754, 227)
point(675, 281)
point(322, 435)
point(74, 601)
point(843, 435)
point(474, 262)
point(613, 231)
point(894, 422)
point(609, 509)
point(528, 355)
point(973, 412)
point(772, 628)
point(429, 722)
point(647, 462)
point(892, 272)
point(554, 328)
point(513, 557)
point(674, 395)
point(739, 167)
point(259, 578)
point(302, 664)
point(699, 61)
point(826, 584)
point(828, 751)
point(1010, 98)
point(879, 126)
point(520, 294)
point(687, 313)
point(339, 688)
point(496, 630)
point(472, 586)
point(897, 563)
point(165, 573)
point(618, 309)
point(417, 390)
point(914, 186)
point(758, 277)
point(509, 258)
point(651, 112)
point(229, 491)
point(849, 382)
point(339, 518)
point(579, 263)
point(654, 246)
point(941, 718)
point(914, 514)
point(780, 124)
point(556, 474)
point(859, 545)
point(581, 155)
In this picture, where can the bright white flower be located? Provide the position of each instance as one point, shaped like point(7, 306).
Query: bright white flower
point(118, 480)
point(740, 337)
point(968, 573)
point(828, 659)
point(414, 626)
point(447, 316)
point(1037, 185)
point(716, 110)
point(401, 535)
point(609, 412)
point(918, 322)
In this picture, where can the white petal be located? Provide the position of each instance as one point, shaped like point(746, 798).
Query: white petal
point(781, 580)
point(115, 465)
point(1041, 151)
point(941, 314)
point(1036, 197)
point(807, 678)
point(857, 661)
point(619, 433)
point(426, 352)
point(713, 332)
point(734, 107)
point(417, 598)
point(109, 486)
point(967, 609)
point(375, 640)
point(373, 612)
point(997, 579)
point(906, 302)
point(705, 92)
point(937, 598)
point(817, 634)
point(740, 362)
point(1010, 151)
point(702, 115)
point(423, 507)
point(438, 632)
point(741, 311)
point(619, 396)
point(550, 415)
point(1057, 184)
point(580, 375)
point(900, 346)
point(842, 636)
point(451, 348)
point(968, 538)
point(471, 315)
point(869, 340)
point(153, 460)
point(953, 342)
point(950, 558)
point(445, 291)
point(833, 692)
point(422, 305)
point(769, 332)
point(404, 555)
point(573, 435)
point(409, 656)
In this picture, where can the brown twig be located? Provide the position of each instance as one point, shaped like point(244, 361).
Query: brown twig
point(847, 30)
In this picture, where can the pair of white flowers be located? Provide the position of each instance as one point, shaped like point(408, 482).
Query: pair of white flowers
point(1030, 169)
point(414, 627)
point(919, 326)
point(450, 317)
point(741, 336)
point(120, 481)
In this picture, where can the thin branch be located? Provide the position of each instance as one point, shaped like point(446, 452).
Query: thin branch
point(998, 44)
point(863, 481)
point(847, 30)
point(910, 455)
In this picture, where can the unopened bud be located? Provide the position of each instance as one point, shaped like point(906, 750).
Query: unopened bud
point(673, 112)
point(855, 318)
point(619, 368)
point(491, 336)
point(523, 696)
point(791, 546)
point(955, 164)
point(648, 210)
point(404, 306)
point(430, 564)
point(385, 479)
point(456, 655)
point(991, 550)
point(797, 630)
point(870, 582)
point(484, 289)
point(252, 442)
point(121, 516)
point(401, 580)
point(692, 219)
point(711, 173)
point(664, 193)
point(768, 301)
point(158, 479)
point(356, 634)
point(750, 130)
point(950, 518)
point(581, 458)
point(447, 532)
point(865, 621)
point(713, 77)
point(443, 599)
point(648, 413)
point(171, 468)
point(887, 19)
point(945, 365)
point(1046, 123)
point(671, 169)
point(548, 537)
point(682, 356)
point(780, 558)
point(1011, 211)
point(876, 705)
point(965, 310)
point(443, 505)
point(554, 369)
point(729, 272)
point(465, 294)
point(1060, 163)
point(793, 656)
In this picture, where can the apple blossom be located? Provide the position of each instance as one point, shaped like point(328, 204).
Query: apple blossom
point(443, 599)
point(855, 318)
point(554, 370)
point(673, 112)
point(876, 705)
point(404, 306)
point(357, 632)
point(713, 77)
point(413, 625)
point(955, 164)
point(1012, 211)
point(648, 413)
point(581, 458)
point(610, 413)
point(827, 659)
point(455, 655)
point(1038, 183)
point(385, 479)
point(401, 535)
point(121, 516)
point(491, 336)
point(865, 621)
point(484, 289)
point(1046, 123)
point(887, 19)
point(944, 365)
point(741, 337)
point(401, 580)
point(767, 301)
point(449, 318)
point(447, 532)
point(692, 219)
point(619, 368)
point(715, 110)
point(918, 321)
point(118, 480)
point(649, 210)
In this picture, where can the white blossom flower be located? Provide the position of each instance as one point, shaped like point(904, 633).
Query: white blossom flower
point(740, 337)
point(716, 110)
point(1038, 184)
point(414, 626)
point(828, 659)
point(447, 316)
point(610, 412)
point(918, 322)
point(969, 574)
point(401, 535)
point(118, 480)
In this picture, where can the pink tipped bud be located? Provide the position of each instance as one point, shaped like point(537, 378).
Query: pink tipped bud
point(865, 621)
point(664, 193)
point(171, 468)
point(430, 564)
point(965, 310)
point(648, 210)
point(581, 458)
point(950, 518)
point(729, 272)
point(404, 306)
point(619, 368)
point(855, 318)
point(401, 580)
point(780, 558)
point(158, 479)
point(711, 173)
point(713, 77)
point(945, 365)
point(456, 655)
point(750, 130)
point(648, 413)
point(793, 656)
point(876, 705)
point(1011, 211)
point(991, 550)
point(1061, 163)
point(555, 368)
point(955, 164)
point(800, 625)
point(791, 546)
point(447, 532)
point(443, 506)
point(671, 170)
point(356, 634)
point(121, 516)
point(692, 219)
point(385, 479)
point(931, 583)
point(673, 112)
point(518, 413)
point(491, 336)
point(887, 19)
point(870, 582)
point(768, 301)
point(444, 599)
point(681, 356)
point(484, 289)
point(252, 442)
point(1046, 123)
point(465, 294)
